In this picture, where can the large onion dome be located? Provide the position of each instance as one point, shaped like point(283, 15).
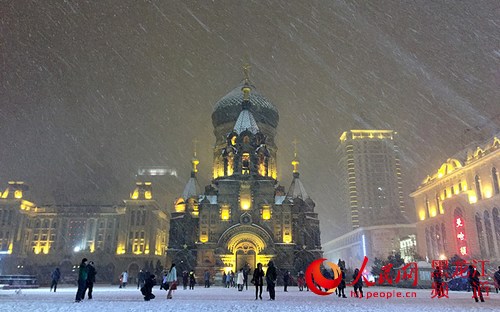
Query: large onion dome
point(228, 108)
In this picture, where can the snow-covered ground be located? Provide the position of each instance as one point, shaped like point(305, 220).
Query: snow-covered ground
point(218, 299)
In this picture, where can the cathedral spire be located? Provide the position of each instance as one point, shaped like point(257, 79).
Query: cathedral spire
point(246, 86)
point(195, 160)
point(295, 161)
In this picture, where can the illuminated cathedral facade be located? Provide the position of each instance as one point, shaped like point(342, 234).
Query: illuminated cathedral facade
point(244, 216)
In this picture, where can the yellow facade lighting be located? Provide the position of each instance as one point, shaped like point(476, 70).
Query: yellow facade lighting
point(266, 213)
point(225, 213)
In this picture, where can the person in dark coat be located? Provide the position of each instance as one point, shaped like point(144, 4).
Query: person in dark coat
point(224, 277)
point(56, 275)
point(271, 276)
point(82, 280)
point(147, 289)
point(206, 277)
point(91, 272)
point(474, 283)
point(358, 285)
point(341, 287)
point(192, 280)
point(185, 279)
point(496, 277)
point(258, 280)
point(141, 279)
point(286, 280)
point(246, 271)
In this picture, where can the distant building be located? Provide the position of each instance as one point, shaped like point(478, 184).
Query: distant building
point(36, 239)
point(458, 206)
point(370, 159)
point(244, 216)
point(375, 220)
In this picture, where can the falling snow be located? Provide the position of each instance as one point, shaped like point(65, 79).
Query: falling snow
point(91, 91)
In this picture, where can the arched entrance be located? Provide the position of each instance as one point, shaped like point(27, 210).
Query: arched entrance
point(245, 256)
point(133, 273)
point(245, 244)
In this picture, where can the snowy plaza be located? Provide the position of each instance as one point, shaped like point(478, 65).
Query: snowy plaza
point(110, 298)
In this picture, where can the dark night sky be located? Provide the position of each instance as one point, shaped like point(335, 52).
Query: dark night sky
point(90, 91)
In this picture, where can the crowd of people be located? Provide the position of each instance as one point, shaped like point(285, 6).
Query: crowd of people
point(169, 281)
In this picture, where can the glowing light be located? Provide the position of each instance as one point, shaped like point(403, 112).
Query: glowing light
point(463, 250)
point(225, 213)
point(203, 238)
point(488, 192)
point(135, 194)
point(461, 236)
point(180, 205)
point(287, 238)
point(459, 222)
point(266, 213)
point(472, 199)
point(421, 215)
point(148, 195)
point(18, 194)
point(442, 257)
point(433, 212)
point(76, 249)
point(120, 250)
point(364, 244)
point(262, 169)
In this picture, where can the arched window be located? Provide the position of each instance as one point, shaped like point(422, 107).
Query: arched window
point(480, 235)
point(477, 181)
point(428, 243)
point(489, 232)
point(434, 250)
point(439, 240)
point(427, 208)
point(443, 233)
point(496, 225)
point(494, 176)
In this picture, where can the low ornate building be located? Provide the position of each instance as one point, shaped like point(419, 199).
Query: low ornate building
point(36, 239)
point(244, 216)
point(458, 206)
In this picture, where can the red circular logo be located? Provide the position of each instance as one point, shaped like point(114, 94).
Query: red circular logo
point(315, 277)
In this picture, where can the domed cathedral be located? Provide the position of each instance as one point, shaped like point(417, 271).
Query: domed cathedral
point(244, 216)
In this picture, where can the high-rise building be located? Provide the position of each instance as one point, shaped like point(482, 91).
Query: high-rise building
point(372, 209)
point(373, 175)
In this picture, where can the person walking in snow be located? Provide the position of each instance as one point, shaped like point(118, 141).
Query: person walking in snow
point(147, 289)
point(171, 280)
point(271, 276)
point(240, 280)
point(55, 276)
point(496, 277)
point(185, 279)
point(358, 285)
point(141, 279)
point(341, 287)
point(123, 279)
point(228, 279)
point(91, 272)
point(301, 281)
point(473, 277)
point(206, 277)
point(286, 281)
point(82, 280)
point(258, 280)
point(192, 280)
